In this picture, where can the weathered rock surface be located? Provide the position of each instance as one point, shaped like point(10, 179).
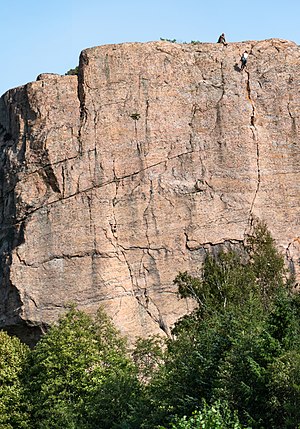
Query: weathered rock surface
point(112, 184)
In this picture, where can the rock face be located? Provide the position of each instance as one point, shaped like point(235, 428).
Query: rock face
point(114, 182)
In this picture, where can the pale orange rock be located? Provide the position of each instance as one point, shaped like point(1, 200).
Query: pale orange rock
point(114, 183)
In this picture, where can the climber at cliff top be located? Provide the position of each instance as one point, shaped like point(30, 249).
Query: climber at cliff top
point(244, 58)
point(221, 39)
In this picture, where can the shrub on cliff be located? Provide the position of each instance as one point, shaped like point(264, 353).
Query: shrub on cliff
point(72, 72)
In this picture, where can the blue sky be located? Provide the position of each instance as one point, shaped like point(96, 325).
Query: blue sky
point(47, 36)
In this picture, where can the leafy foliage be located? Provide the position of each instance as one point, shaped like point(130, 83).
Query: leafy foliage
point(148, 356)
point(217, 416)
point(266, 262)
point(284, 387)
point(226, 282)
point(72, 72)
point(13, 356)
point(79, 375)
point(238, 343)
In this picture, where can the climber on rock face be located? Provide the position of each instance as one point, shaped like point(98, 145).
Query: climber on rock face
point(221, 39)
point(244, 59)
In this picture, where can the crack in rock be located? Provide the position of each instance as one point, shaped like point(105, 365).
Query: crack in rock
point(255, 139)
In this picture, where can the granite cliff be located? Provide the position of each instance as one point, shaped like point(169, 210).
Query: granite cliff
point(113, 182)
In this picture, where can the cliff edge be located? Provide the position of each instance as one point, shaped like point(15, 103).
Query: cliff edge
point(114, 182)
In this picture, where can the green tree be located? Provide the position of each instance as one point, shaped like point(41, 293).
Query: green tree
point(284, 390)
point(13, 356)
point(232, 346)
point(266, 262)
point(226, 281)
point(79, 375)
point(148, 356)
point(243, 375)
point(216, 416)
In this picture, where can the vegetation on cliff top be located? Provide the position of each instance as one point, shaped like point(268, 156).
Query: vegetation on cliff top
point(233, 362)
point(73, 72)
